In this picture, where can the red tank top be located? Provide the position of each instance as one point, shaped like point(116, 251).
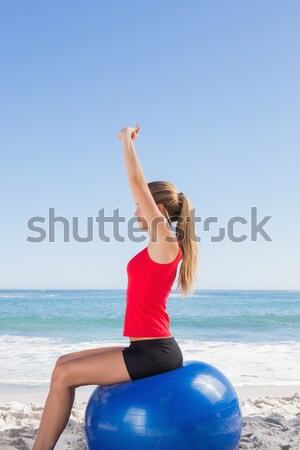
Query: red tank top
point(149, 285)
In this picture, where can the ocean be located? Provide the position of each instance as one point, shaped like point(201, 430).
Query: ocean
point(252, 336)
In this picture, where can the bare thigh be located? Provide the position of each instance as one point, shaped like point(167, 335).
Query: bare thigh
point(82, 353)
point(98, 368)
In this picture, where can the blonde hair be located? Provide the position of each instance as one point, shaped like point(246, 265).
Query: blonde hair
point(179, 209)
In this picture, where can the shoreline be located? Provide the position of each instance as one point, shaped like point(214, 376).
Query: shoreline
point(38, 394)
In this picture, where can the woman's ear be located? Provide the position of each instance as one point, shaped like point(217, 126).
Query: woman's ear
point(161, 208)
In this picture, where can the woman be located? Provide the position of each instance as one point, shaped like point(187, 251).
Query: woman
point(151, 274)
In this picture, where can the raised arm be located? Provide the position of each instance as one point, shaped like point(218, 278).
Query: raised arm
point(156, 221)
point(133, 168)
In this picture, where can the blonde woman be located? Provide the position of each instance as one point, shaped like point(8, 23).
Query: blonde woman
point(151, 275)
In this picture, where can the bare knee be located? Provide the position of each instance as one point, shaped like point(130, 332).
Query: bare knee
point(61, 360)
point(59, 377)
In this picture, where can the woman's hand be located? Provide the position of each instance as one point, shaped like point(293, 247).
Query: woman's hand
point(129, 131)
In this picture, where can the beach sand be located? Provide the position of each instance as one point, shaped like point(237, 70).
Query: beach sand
point(271, 417)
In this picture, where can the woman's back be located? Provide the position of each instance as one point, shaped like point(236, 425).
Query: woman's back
point(149, 285)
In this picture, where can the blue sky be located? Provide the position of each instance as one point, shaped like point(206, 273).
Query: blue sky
point(215, 88)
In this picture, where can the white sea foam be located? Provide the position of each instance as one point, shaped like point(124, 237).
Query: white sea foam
point(30, 360)
point(275, 363)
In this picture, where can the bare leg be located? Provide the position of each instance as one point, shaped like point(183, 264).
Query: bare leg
point(69, 404)
point(56, 414)
point(104, 368)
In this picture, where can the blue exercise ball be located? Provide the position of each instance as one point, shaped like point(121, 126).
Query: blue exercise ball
point(194, 407)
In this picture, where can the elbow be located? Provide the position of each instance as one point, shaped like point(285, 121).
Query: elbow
point(135, 180)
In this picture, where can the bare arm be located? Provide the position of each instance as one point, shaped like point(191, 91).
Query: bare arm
point(133, 168)
point(140, 189)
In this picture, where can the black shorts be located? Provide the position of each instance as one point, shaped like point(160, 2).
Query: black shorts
point(147, 357)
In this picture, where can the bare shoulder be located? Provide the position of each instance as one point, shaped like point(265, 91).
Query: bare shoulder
point(163, 252)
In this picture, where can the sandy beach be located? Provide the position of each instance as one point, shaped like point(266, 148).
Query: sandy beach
point(261, 357)
point(271, 418)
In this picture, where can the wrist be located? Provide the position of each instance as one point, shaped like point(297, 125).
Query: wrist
point(126, 136)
